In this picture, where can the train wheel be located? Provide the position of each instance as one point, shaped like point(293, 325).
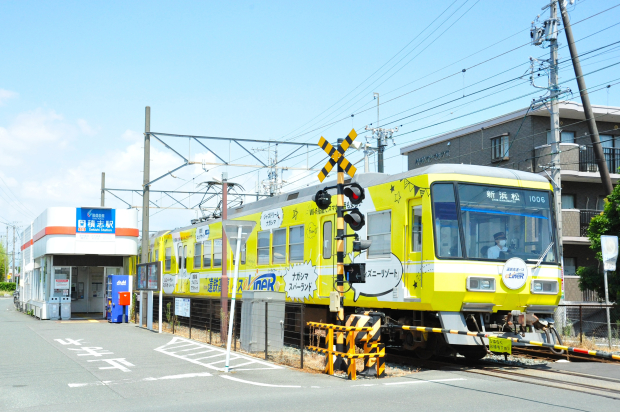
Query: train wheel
point(472, 353)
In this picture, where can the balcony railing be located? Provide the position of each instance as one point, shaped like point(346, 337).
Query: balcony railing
point(585, 215)
point(587, 160)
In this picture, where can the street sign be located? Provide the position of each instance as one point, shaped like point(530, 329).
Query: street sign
point(337, 156)
point(500, 345)
point(609, 247)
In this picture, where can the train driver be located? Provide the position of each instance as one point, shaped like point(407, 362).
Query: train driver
point(500, 246)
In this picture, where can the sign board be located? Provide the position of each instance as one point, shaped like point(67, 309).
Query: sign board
point(514, 274)
point(61, 284)
point(609, 247)
point(148, 276)
point(202, 233)
point(500, 345)
point(336, 155)
point(181, 307)
point(95, 224)
point(271, 219)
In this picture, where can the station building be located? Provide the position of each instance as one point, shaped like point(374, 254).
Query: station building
point(521, 140)
point(68, 254)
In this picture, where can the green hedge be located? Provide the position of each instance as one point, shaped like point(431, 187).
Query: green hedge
point(7, 286)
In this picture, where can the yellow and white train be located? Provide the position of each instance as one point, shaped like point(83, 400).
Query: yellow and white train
point(456, 246)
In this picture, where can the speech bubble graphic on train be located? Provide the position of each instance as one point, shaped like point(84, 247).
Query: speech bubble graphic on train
point(300, 281)
point(382, 276)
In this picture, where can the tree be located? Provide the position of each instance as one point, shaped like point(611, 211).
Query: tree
point(607, 223)
point(2, 262)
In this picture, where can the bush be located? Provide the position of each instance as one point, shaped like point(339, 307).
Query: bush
point(7, 286)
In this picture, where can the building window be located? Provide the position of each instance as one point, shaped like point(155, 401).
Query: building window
point(380, 232)
point(197, 250)
point(607, 140)
point(296, 243)
point(217, 253)
point(570, 266)
point(568, 201)
point(206, 254)
point(565, 137)
point(168, 258)
point(279, 246)
point(327, 239)
point(263, 247)
point(416, 229)
point(600, 203)
point(500, 146)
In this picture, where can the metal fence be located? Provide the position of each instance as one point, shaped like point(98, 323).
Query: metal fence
point(271, 330)
point(587, 159)
point(586, 324)
point(585, 215)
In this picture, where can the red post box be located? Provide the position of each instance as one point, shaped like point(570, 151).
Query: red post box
point(124, 298)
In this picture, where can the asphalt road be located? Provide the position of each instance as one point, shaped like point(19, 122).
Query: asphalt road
point(91, 366)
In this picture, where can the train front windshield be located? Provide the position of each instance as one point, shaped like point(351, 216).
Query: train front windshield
point(492, 222)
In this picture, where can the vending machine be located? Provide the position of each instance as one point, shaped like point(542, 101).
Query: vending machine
point(114, 285)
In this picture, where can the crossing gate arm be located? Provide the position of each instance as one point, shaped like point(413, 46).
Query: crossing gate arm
point(569, 349)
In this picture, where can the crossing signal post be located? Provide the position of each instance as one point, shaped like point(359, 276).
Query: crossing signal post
point(354, 218)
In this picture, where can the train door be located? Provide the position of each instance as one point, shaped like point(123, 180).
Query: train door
point(327, 255)
point(414, 240)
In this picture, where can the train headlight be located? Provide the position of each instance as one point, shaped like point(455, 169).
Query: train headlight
point(480, 284)
point(545, 287)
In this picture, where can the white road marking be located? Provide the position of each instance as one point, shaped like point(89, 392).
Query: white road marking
point(125, 381)
point(69, 341)
point(95, 351)
point(423, 381)
point(192, 349)
point(116, 364)
point(258, 383)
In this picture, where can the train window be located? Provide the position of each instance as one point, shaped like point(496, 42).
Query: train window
point(180, 258)
point(185, 257)
point(279, 246)
point(157, 255)
point(217, 253)
point(263, 247)
point(206, 254)
point(327, 239)
point(296, 243)
point(197, 250)
point(168, 263)
point(380, 232)
point(416, 229)
point(234, 251)
point(447, 238)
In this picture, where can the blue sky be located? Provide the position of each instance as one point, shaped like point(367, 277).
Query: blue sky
point(75, 78)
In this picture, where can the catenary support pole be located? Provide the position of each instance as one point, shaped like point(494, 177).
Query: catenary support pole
point(224, 281)
point(144, 255)
point(13, 276)
point(233, 299)
point(587, 107)
point(102, 189)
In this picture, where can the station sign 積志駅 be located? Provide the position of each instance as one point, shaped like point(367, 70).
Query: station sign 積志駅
point(94, 224)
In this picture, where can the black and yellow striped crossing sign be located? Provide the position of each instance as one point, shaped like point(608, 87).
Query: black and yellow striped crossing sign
point(337, 156)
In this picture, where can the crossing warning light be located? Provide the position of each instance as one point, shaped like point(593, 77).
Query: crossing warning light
point(355, 193)
point(355, 219)
point(322, 199)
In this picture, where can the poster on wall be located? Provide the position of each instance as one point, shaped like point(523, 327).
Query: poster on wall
point(95, 224)
point(148, 276)
point(61, 284)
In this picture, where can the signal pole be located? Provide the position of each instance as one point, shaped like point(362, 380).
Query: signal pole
point(340, 239)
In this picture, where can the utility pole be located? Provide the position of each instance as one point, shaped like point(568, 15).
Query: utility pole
point(555, 125)
point(144, 256)
point(6, 256)
point(587, 107)
point(13, 256)
point(382, 136)
point(102, 189)
point(224, 282)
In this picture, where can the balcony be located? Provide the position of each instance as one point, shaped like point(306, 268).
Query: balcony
point(569, 157)
point(587, 160)
point(575, 224)
point(585, 215)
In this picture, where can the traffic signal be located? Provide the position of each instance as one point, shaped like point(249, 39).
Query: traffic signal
point(355, 219)
point(361, 245)
point(322, 199)
point(355, 193)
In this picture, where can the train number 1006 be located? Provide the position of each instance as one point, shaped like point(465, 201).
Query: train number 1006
point(537, 199)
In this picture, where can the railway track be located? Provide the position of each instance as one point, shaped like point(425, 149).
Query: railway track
point(546, 354)
point(536, 375)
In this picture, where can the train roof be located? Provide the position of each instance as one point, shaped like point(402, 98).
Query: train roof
point(373, 179)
